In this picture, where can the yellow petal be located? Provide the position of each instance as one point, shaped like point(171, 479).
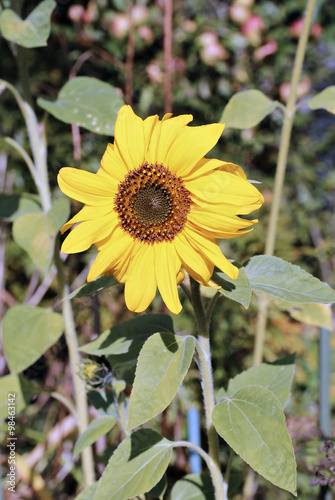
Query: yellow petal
point(88, 232)
point(112, 165)
point(148, 126)
point(206, 165)
point(141, 285)
point(191, 144)
point(110, 253)
point(192, 260)
point(163, 136)
point(87, 213)
point(224, 189)
point(87, 187)
point(129, 138)
point(212, 251)
point(167, 264)
point(219, 225)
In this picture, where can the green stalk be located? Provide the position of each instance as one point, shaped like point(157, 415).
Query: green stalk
point(280, 171)
point(206, 371)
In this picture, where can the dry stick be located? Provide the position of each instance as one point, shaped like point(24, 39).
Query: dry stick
point(130, 62)
point(168, 55)
point(280, 173)
point(79, 385)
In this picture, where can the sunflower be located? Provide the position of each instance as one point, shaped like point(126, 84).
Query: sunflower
point(157, 205)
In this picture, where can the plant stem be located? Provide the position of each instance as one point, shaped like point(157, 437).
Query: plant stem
point(74, 356)
point(168, 14)
point(280, 170)
point(205, 366)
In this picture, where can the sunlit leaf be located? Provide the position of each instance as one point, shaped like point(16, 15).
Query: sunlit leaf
point(20, 387)
point(123, 342)
point(193, 487)
point(238, 290)
point(275, 377)
point(97, 428)
point(27, 333)
point(33, 31)
point(319, 315)
point(324, 100)
point(93, 287)
point(246, 109)
point(135, 467)
point(158, 491)
point(36, 232)
point(162, 365)
point(252, 422)
point(14, 205)
point(277, 277)
point(88, 102)
point(88, 493)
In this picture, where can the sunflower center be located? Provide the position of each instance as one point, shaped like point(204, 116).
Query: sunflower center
point(152, 203)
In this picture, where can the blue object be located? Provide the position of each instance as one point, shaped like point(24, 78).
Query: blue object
point(194, 437)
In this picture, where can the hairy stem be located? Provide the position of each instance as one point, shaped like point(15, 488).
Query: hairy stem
point(205, 365)
point(281, 168)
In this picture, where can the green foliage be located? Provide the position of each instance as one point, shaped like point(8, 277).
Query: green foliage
point(93, 287)
point(162, 365)
point(123, 342)
point(27, 333)
point(12, 206)
point(33, 31)
point(193, 487)
point(247, 109)
point(281, 279)
point(88, 102)
point(88, 493)
point(135, 467)
point(36, 232)
point(324, 100)
point(238, 290)
point(277, 377)
point(18, 385)
point(97, 428)
point(252, 422)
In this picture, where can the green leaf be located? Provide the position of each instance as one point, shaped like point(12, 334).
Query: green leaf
point(158, 491)
point(123, 342)
point(36, 232)
point(27, 333)
point(97, 428)
point(18, 385)
point(246, 109)
point(88, 493)
point(135, 467)
point(193, 487)
point(162, 365)
point(33, 31)
point(252, 422)
point(319, 315)
point(238, 290)
point(276, 378)
point(14, 205)
point(93, 287)
point(284, 280)
point(324, 100)
point(88, 102)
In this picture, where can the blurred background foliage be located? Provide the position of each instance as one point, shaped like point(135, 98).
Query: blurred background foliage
point(219, 48)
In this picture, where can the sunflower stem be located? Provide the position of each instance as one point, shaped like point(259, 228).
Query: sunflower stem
point(205, 366)
point(289, 113)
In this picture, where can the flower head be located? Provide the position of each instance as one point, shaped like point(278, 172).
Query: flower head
point(156, 205)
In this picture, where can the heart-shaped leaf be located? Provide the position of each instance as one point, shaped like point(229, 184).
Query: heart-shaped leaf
point(324, 100)
point(27, 333)
point(252, 422)
point(88, 102)
point(162, 365)
point(247, 109)
point(33, 31)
